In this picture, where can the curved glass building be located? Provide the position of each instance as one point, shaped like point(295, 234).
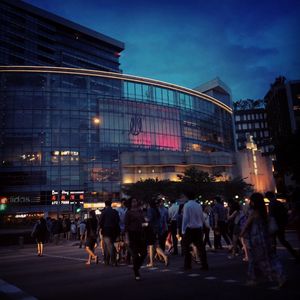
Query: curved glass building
point(73, 133)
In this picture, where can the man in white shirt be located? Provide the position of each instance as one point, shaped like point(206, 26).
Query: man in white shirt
point(192, 224)
point(173, 215)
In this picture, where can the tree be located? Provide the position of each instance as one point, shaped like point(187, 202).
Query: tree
point(245, 104)
point(193, 175)
point(148, 189)
point(193, 182)
point(196, 182)
point(203, 184)
point(237, 186)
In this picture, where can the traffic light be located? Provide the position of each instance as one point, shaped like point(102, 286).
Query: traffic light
point(3, 207)
point(77, 207)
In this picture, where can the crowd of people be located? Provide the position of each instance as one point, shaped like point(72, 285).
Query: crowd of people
point(136, 231)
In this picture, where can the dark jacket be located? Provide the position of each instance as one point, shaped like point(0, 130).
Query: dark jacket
point(109, 223)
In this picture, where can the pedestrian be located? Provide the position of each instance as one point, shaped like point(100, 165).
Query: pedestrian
point(236, 219)
point(110, 230)
point(278, 211)
point(220, 230)
point(135, 235)
point(206, 226)
point(179, 234)
point(66, 223)
point(192, 230)
point(40, 233)
point(163, 224)
point(49, 223)
point(262, 260)
point(82, 233)
point(173, 215)
point(73, 230)
point(91, 237)
point(153, 218)
point(57, 230)
point(120, 243)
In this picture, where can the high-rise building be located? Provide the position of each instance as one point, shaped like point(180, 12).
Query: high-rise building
point(251, 120)
point(283, 108)
point(34, 37)
point(283, 116)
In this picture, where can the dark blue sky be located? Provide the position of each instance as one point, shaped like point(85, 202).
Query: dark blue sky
point(247, 43)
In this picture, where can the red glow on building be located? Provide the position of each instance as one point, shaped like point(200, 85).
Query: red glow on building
point(169, 142)
point(157, 140)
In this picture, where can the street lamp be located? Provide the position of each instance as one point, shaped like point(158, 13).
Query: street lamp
point(96, 120)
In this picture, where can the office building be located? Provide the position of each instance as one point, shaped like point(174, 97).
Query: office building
point(251, 120)
point(74, 128)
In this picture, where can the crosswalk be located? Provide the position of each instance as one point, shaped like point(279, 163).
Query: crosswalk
point(69, 252)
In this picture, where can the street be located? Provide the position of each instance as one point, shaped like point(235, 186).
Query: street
point(62, 274)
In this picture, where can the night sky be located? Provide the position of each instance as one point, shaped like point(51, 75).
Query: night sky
point(247, 43)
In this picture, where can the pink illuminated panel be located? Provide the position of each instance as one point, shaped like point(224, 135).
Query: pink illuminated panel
point(157, 130)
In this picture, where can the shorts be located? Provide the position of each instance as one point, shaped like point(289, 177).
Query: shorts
point(90, 243)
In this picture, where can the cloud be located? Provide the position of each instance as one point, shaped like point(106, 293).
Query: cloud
point(246, 43)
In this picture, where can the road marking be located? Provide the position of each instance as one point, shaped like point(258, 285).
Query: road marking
point(165, 270)
point(230, 281)
point(210, 278)
point(152, 268)
point(64, 257)
point(274, 288)
point(14, 292)
point(180, 272)
point(194, 275)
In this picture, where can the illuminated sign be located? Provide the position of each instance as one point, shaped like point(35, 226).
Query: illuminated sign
point(65, 153)
point(94, 205)
point(19, 199)
point(66, 197)
point(135, 127)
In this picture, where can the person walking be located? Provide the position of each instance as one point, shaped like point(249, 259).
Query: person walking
point(91, 237)
point(179, 234)
point(163, 225)
point(120, 244)
point(192, 230)
point(110, 230)
point(278, 211)
point(153, 218)
point(262, 260)
point(82, 231)
point(173, 215)
point(206, 226)
point(220, 229)
point(40, 233)
point(135, 235)
point(236, 218)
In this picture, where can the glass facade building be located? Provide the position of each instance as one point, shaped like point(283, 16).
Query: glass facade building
point(74, 128)
point(69, 130)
